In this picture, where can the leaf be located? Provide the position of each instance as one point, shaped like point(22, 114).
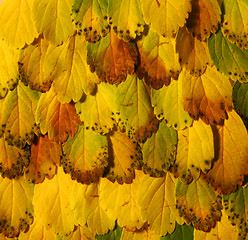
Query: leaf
point(159, 60)
point(12, 160)
point(52, 203)
point(8, 68)
point(90, 18)
point(134, 110)
point(120, 202)
point(207, 96)
point(172, 13)
point(81, 232)
point(158, 204)
point(231, 143)
point(204, 18)
point(198, 204)
point(44, 159)
point(112, 58)
point(183, 232)
point(240, 100)
point(146, 234)
point(97, 110)
point(87, 209)
point(15, 20)
point(16, 212)
point(112, 235)
point(31, 65)
point(53, 20)
point(159, 151)
point(17, 120)
point(195, 151)
point(167, 103)
point(126, 18)
point(66, 66)
point(193, 54)
point(57, 119)
point(124, 155)
point(235, 25)
point(228, 57)
point(222, 230)
point(85, 156)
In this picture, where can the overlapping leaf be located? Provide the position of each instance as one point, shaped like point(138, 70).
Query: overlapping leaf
point(17, 115)
point(126, 18)
point(97, 111)
point(15, 20)
point(235, 24)
point(204, 18)
point(159, 151)
point(112, 58)
point(81, 232)
point(57, 119)
point(53, 20)
point(228, 57)
point(207, 96)
point(156, 197)
point(172, 13)
point(16, 212)
point(44, 159)
point(198, 204)
point(159, 60)
point(124, 155)
point(85, 156)
point(90, 18)
point(182, 232)
point(231, 142)
point(193, 54)
point(145, 234)
point(112, 235)
point(167, 103)
point(195, 151)
point(134, 110)
point(52, 203)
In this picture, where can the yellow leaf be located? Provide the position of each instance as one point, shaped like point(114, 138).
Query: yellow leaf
point(195, 151)
point(146, 234)
point(81, 233)
point(207, 96)
point(16, 24)
point(156, 197)
point(52, 203)
point(52, 19)
point(204, 18)
point(16, 211)
point(120, 202)
point(231, 163)
point(166, 16)
point(57, 119)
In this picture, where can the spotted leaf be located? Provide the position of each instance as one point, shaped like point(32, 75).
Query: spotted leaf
point(204, 18)
point(90, 18)
point(17, 118)
point(228, 57)
point(159, 151)
point(156, 197)
point(134, 110)
point(85, 156)
point(198, 204)
point(207, 96)
point(195, 151)
point(16, 212)
point(44, 159)
point(112, 58)
point(53, 20)
point(193, 54)
point(159, 60)
point(172, 13)
point(230, 166)
point(57, 119)
point(126, 18)
point(167, 103)
point(15, 20)
point(97, 110)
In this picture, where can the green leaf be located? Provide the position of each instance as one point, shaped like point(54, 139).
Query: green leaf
point(228, 57)
point(112, 235)
point(182, 232)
